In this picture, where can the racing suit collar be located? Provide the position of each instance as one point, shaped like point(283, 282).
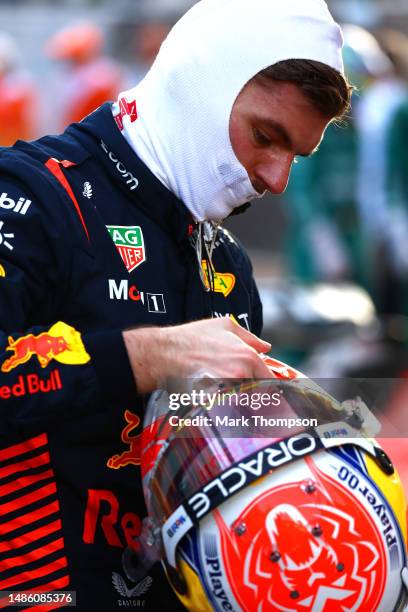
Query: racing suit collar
point(99, 133)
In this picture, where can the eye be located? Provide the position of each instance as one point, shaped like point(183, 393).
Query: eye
point(261, 138)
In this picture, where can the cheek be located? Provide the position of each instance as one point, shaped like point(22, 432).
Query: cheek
point(239, 137)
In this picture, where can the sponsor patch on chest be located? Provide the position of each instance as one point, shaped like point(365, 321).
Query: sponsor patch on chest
point(130, 244)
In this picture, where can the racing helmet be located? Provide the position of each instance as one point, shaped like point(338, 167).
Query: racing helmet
point(307, 518)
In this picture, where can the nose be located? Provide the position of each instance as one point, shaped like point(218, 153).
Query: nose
point(273, 173)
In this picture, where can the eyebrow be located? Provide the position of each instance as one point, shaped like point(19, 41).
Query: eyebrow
point(284, 134)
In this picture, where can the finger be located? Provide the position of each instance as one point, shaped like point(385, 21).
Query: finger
point(251, 339)
point(260, 370)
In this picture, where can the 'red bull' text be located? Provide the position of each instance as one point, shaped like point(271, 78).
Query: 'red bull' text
point(29, 384)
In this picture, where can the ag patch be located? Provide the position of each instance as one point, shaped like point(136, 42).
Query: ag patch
point(130, 244)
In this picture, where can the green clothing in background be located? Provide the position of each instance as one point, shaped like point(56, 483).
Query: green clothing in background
point(323, 240)
point(397, 191)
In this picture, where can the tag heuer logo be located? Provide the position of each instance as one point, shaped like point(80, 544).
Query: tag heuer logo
point(130, 244)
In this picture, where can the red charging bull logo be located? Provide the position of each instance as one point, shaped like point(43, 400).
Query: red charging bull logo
point(132, 455)
point(44, 346)
point(62, 343)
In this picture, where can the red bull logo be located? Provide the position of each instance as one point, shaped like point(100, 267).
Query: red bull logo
point(31, 384)
point(44, 347)
point(62, 343)
point(132, 455)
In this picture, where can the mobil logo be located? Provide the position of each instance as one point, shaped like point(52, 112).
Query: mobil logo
point(6, 237)
point(21, 206)
point(123, 290)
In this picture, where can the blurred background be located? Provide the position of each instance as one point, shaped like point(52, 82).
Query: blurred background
point(331, 255)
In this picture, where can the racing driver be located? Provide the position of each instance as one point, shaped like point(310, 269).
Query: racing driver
point(115, 274)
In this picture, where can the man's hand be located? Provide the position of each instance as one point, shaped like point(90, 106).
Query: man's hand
point(217, 346)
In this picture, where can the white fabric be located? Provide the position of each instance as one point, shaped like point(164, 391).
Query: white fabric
point(185, 101)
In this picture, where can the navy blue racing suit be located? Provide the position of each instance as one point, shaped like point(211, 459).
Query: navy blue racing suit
point(91, 243)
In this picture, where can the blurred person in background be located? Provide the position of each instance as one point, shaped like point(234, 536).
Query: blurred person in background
point(337, 197)
point(349, 221)
point(397, 226)
point(88, 77)
point(383, 94)
point(394, 288)
point(322, 242)
point(394, 43)
point(147, 39)
point(395, 252)
point(18, 95)
point(140, 32)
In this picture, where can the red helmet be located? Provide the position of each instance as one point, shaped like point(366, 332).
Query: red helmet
point(308, 519)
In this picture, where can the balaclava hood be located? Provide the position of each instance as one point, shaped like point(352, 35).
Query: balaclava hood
point(184, 103)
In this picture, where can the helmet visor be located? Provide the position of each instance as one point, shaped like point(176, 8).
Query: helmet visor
point(267, 424)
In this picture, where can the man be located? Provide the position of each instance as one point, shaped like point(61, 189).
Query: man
point(18, 94)
point(112, 280)
point(86, 75)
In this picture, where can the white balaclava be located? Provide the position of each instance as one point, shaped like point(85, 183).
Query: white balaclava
point(185, 101)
